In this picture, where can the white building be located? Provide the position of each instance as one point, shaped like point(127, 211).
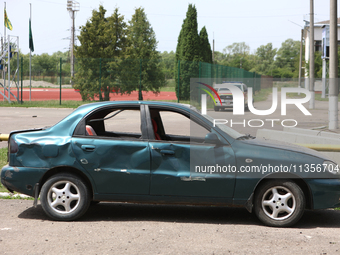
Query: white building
point(318, 27)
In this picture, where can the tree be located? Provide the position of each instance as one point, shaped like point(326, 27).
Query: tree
point(103, 42)
point(142, 51)
point(187, 51)
point(205, 48)
point(66, 65)
point(287, 59)
point(219, 57)
point(189, 41)
point(317, 65)
point(265, 55)
point(288, 54)
point(237, 55)
point(168, 59)
point(44, 64)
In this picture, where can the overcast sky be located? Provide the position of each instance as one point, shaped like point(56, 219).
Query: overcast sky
point(227, 21)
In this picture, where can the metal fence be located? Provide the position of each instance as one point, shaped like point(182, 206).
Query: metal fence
point(220, 73)
point(132, 74)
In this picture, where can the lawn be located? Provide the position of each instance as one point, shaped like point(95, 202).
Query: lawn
point(3, 161)
point(46, 104)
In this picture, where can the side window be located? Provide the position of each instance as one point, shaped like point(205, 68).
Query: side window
point(118, 123)
point(175, 123)
point(178, 127)
point(126, 121)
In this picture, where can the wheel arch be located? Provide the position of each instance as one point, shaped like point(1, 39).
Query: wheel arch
point(69, 170)
point(288, 176)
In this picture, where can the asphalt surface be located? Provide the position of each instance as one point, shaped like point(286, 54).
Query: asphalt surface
point(16, 118)
point(114, 228)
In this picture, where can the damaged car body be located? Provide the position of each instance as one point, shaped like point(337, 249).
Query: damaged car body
point(157, 152)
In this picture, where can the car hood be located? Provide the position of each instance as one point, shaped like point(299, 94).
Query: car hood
point(285, 146)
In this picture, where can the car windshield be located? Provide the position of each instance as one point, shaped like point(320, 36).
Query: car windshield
point(231, 132)
point(223, 90)
point(227, 90)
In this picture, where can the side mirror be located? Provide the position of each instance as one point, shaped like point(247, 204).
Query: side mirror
point(212, 138)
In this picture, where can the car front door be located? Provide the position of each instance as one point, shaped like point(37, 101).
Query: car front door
point(116, 155)
point(182, 164)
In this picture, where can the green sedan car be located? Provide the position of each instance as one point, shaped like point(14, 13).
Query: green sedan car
point(157, 152)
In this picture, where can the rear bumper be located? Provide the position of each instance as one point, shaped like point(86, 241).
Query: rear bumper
point(21, 179)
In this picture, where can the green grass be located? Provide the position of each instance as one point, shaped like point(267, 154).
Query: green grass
point(46, 104)
point(280, 84)
point(3, 162)
point(170, 86)
point(262, 95)
point(167, 89)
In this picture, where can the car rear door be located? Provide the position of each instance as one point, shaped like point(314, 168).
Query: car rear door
point(116, 156)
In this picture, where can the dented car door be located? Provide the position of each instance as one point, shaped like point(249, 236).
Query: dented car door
point(115, 153)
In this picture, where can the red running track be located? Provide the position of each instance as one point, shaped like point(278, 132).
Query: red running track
point(44, 94)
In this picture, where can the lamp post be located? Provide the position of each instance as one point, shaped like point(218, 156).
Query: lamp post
point(333, 67)
point(72, 6)
point(311, 57)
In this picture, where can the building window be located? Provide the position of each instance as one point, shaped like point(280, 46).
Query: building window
point(318, 46)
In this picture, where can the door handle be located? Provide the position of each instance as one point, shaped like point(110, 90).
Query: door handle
point(167, 152)
point(190, 178)
point(88, 147)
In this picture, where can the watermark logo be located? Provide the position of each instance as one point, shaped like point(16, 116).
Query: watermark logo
point(213, 90)
point(239, 100)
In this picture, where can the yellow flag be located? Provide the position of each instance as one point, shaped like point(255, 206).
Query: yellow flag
point(8, 23)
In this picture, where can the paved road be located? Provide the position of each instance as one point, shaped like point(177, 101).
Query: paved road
point(15, 118)
point(113, 228)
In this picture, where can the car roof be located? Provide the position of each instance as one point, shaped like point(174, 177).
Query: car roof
point(92, 106)
point(222, 85)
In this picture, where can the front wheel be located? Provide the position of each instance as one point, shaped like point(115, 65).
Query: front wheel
point(65, 197)
point(279, 203)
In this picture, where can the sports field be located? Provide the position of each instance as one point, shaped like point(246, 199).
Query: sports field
point(42, 94)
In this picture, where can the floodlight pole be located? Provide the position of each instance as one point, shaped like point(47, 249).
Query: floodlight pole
point(72, 45)
point(72, 7)
point(333, 67)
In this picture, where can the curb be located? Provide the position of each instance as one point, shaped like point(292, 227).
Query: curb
point(7, 194)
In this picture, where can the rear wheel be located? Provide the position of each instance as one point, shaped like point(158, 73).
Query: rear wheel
point(279, 203)
point(65, 197)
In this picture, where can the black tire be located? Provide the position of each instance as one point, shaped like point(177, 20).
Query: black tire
point(65, 197)
point(216, 109)
point(279, 203)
